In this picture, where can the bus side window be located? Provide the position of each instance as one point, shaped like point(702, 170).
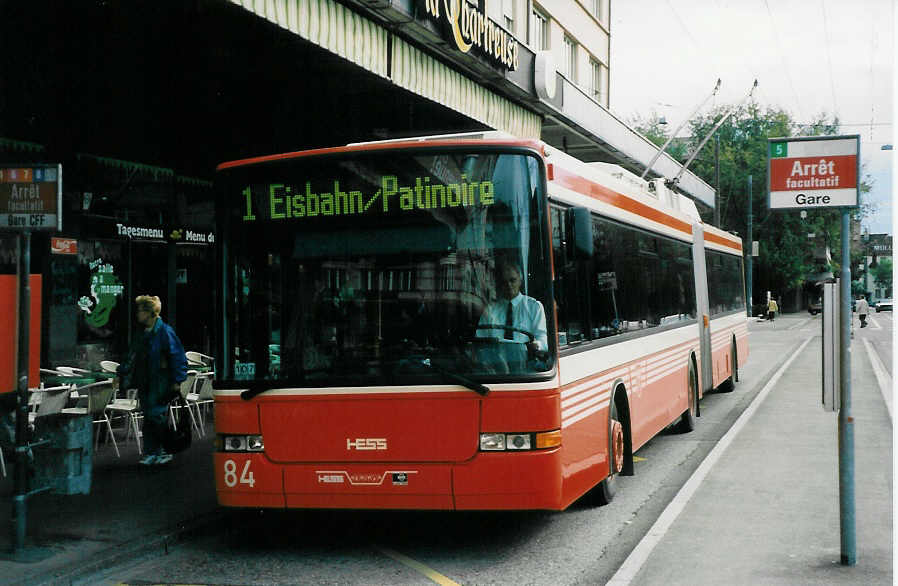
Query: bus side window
point(570, 293)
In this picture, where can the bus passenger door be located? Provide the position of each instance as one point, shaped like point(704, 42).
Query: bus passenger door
point(702, 307)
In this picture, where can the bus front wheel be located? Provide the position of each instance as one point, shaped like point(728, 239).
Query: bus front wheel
point(617, 454)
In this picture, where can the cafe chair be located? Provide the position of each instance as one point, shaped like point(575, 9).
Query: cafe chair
point(71, 370)
point(109, 366)
point(99, 396)
point(198, 359)
point(48, 401)
point(129, 408)
point(186, 390)
point(201, 397)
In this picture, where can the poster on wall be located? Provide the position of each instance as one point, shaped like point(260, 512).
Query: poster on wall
point(105, 291)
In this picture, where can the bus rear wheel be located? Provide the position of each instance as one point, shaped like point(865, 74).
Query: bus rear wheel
point(687, 419)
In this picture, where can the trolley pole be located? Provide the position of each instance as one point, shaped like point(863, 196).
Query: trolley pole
point(846, 421)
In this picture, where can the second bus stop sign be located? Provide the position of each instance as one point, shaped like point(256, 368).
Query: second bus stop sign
point(813, 172)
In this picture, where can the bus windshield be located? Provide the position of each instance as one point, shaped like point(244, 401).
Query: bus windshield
point(380, 268)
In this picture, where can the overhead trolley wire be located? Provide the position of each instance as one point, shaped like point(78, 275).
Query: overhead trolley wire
point(689, 34)
point(779, 48)
point(829, 60)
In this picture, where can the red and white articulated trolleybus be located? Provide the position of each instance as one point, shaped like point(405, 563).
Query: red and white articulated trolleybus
point(360, 363)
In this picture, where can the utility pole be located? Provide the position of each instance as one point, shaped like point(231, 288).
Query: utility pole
point(751, 247)
point(717, 180)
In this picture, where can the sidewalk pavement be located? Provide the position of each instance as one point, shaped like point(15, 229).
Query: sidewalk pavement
point(767, 511)
point(130, 510)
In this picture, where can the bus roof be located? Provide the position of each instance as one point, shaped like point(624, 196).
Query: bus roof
point(494, 138)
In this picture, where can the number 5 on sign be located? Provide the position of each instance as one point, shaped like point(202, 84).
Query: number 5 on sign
point(230, 474)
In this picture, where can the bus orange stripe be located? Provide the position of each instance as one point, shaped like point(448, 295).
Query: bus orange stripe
point(594, 190)
point(709, 237)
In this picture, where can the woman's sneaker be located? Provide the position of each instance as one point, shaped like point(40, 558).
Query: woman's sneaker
point(163, 458)
point(148, 460)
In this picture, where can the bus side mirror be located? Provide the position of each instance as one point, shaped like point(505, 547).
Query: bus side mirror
point(579, 233)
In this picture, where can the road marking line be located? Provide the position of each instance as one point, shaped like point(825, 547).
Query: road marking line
point(417, 566)
point(882, 376)
point(801, 324)
point(638, 459)
point(640, 554)
point(873, 322)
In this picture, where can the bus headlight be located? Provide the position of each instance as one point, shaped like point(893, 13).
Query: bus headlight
point(240, 443)
point(498, 442)
point(490, 442)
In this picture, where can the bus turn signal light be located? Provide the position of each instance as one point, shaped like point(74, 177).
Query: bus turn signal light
point(548, 439)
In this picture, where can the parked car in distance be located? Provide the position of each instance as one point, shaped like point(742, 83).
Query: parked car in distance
point(883, 305)
point(814, 307)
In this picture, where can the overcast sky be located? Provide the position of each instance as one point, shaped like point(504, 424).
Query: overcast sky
point(809, 56)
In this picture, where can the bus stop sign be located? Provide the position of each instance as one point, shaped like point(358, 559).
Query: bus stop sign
point(813, 172)
point(31, 197)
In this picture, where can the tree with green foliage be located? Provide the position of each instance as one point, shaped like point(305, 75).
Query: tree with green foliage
point(882, 274)
point(789, 259)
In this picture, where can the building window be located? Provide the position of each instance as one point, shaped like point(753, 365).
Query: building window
point(569, 59)
point(508, 14)
point(597, 8)
point(447, 278)
point(540, 40)
point(595, 82)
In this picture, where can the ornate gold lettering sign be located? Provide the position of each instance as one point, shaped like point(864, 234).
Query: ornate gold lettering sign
point(471, 28)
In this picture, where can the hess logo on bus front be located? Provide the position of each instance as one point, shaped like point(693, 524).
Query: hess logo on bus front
point(366, 443)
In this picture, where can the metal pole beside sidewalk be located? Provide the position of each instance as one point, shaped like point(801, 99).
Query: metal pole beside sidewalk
point(20, 494)
point(846, 421)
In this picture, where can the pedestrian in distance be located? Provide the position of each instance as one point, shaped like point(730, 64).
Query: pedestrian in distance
point(772, 308)
point(156, 365)
point(863, 308)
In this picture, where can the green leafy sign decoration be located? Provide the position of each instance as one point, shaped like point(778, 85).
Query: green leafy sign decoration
point(105, 288)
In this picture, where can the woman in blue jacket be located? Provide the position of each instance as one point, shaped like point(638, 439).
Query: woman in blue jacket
point(156, 366)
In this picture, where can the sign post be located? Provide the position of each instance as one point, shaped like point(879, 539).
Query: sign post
point(824, 172)
point(30, 199)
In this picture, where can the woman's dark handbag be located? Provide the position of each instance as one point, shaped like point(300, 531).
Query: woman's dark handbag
point(177, 439)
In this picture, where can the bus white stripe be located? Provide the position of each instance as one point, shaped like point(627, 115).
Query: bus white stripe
point(584, 414)
point(567, 413)
point(565, 403)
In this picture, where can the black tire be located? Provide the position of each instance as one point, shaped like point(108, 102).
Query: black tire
point(604, 492)
point(687, 419)
point(729, 385)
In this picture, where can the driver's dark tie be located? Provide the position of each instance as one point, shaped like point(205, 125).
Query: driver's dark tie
point(509, 323)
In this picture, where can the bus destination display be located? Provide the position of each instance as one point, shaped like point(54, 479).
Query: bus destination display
point(281, 201)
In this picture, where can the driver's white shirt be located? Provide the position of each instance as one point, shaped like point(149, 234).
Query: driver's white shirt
point(527, 314)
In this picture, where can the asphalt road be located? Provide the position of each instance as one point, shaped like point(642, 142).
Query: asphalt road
point(879, 333)
point(583, 545)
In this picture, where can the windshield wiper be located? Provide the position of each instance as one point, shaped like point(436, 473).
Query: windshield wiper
point(464, 381)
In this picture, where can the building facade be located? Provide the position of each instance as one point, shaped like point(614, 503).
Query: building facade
point(140, 100)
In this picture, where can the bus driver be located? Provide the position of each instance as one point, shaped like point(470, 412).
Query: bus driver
point(514, 310)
